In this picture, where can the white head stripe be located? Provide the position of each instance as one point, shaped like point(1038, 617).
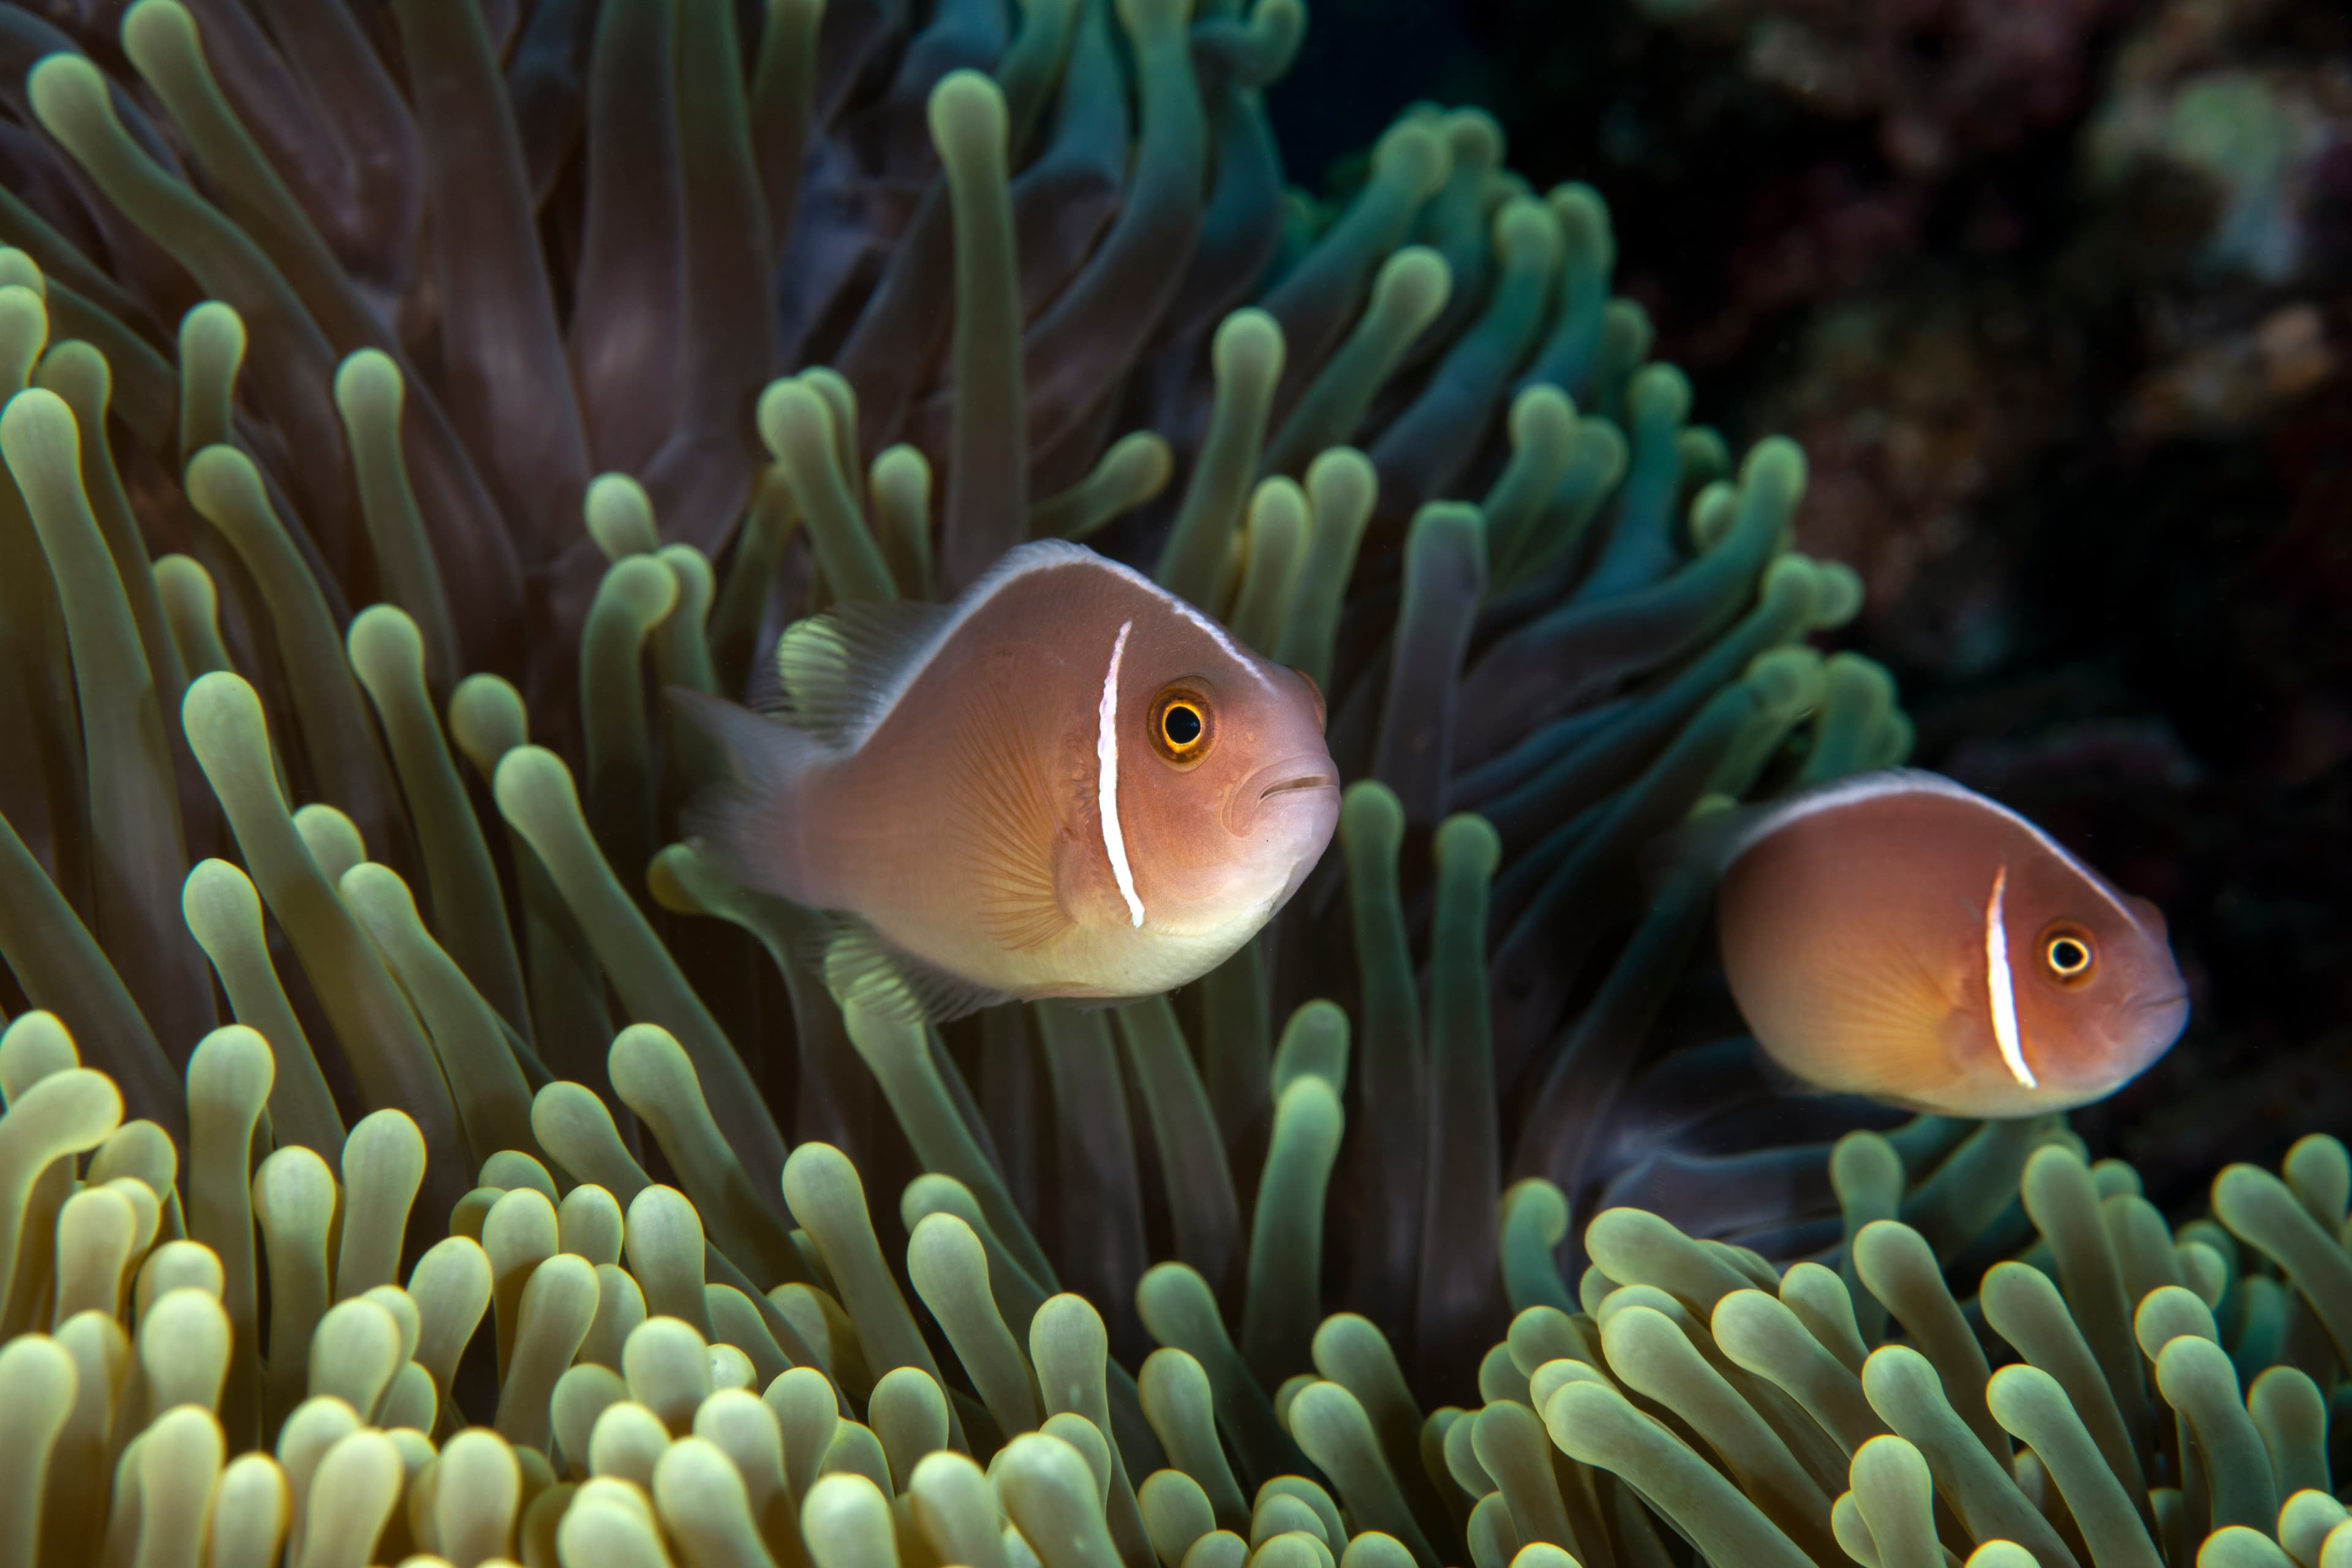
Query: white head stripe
point(1021, 561)
point(2001, 989)
point(1107, 778)
point(1216, 633)
point(1906, 781)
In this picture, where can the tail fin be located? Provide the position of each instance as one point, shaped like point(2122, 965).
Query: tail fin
point(751, 823)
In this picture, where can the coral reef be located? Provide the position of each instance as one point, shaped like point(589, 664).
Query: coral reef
point(1919, 407)
point(1940, 80)
point(1958, 249)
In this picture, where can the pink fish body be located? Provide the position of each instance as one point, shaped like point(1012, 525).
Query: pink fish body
point(1899, 936)
point(1068, 784)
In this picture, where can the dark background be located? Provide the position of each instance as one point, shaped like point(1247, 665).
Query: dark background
point(2058, 295)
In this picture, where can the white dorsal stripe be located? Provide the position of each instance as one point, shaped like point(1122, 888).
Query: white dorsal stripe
point(2001, 988)
point(1040, 555)
point(1106, 779)
point(1885, 781)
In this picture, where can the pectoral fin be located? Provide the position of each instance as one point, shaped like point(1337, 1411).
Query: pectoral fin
point(1011, 828)
point(1877, 1021)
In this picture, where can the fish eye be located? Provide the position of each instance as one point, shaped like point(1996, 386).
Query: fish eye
point(2068, 955)
point(1183, 728)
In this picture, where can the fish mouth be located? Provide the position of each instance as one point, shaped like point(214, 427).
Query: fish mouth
point(1275, 787)
point(1303, 781)
point(2169, 999)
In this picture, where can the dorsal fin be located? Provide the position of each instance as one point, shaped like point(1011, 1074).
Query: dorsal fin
point(841, 670)
point(1736, 831)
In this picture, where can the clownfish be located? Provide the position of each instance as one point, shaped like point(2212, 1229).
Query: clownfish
point(1899, 936)
point(1068, 784)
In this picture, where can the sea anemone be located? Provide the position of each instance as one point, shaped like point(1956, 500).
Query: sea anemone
point(1607, 634)
point(2160, 1388)
point(325, 314)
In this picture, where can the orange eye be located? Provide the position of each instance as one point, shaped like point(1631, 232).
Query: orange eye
point(1182, 727)
point(2067, 954)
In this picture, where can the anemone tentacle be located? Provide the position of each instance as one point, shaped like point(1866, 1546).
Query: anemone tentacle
point(319, 332)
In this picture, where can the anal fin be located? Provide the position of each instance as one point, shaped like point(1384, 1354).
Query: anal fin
point(865, 969)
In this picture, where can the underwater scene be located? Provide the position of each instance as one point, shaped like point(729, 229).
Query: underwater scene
point(1166, 784)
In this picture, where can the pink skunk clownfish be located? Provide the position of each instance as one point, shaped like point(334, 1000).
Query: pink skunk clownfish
point(1899, 936)
point(1069, 782)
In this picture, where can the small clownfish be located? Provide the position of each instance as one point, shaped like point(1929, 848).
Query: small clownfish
point(1899, 936)
point(1068, 784)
